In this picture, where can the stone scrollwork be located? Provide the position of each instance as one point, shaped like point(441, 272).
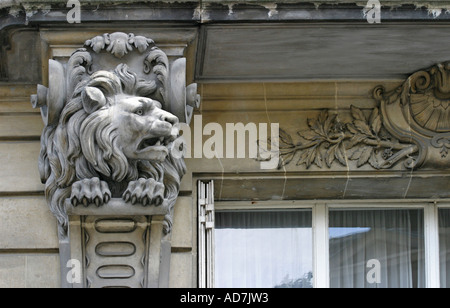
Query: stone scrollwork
point(112, 116)
point(411, 125)
point(419, 111)
point(442, 142)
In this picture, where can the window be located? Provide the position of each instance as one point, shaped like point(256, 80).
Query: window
point(342, 244)
point(376, 248)
point(444, 247)
point(263, 249)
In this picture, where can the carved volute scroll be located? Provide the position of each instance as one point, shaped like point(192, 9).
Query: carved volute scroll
point(111, 142)
point(419, 112)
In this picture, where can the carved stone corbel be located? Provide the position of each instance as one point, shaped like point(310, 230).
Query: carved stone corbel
point(111, 157)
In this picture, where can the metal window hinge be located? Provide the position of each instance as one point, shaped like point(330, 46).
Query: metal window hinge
point(208, 217)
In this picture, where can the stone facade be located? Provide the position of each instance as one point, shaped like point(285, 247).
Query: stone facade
point(329, 83)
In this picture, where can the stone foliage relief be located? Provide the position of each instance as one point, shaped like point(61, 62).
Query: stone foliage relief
point(411, 125)
point(327, 140)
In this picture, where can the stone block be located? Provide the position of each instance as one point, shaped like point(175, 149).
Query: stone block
point(19, 172)
point(182, 233)
point(27, 223)
point(29, 271)
point(181, 270)
point(17, 105)
point(21, 126)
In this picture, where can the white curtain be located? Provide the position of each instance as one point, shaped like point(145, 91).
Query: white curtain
point(444, 247)
point(257, 249)
point(376, 248)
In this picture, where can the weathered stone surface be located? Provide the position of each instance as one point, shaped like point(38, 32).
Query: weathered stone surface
point(312, 52)
point(183, 223)
point(340, 186)
point(8, 106)
point(25, 47)
point(181, 270)
point(16, 91)
point(13, 126)
point(29, 271)
point(19, 169)
point(27, 223)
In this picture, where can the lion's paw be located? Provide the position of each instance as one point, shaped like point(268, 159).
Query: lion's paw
point(90, 191)
point(145, 192)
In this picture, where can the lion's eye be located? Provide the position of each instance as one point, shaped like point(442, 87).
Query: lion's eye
point(139, 112)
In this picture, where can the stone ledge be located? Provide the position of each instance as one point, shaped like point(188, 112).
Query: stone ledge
point(333, 186)
point(117, 207)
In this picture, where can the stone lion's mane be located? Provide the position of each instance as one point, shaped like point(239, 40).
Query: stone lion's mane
point(85, 145)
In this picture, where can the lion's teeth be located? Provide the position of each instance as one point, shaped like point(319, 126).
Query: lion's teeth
point(158, 143)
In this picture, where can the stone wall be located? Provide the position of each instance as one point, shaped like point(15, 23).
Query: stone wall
point(29, 253)
point(28, 241)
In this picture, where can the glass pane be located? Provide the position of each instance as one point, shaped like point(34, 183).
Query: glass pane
point(255, 249)
point(444, 246)
point(377, 248)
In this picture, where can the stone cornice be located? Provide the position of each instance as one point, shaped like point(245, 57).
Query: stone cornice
point(391, 3)
point(43, 4)
point(41, 11)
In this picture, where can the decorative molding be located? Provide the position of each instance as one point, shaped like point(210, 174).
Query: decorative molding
point(411, 125)
point(119, 43)
point(115, 251)
point(419, 111)
point(442, 142)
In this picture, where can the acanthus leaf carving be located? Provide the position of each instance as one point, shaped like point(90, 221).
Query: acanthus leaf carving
point(156, 63)
point(78, 66)
point(119, 44)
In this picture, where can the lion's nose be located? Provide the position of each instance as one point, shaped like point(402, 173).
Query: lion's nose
point(173, 120)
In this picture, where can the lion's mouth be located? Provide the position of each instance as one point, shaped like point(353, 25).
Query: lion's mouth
point(154, 149)
point(154, 142)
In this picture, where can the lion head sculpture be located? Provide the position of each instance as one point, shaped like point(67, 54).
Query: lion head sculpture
point(111, 141)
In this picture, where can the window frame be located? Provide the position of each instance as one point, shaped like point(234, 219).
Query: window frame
point(436, 253)
point(320, 227)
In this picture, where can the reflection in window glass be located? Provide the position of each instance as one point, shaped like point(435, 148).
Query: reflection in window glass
point(257, 249)
point(444, 247)
point(377, 248)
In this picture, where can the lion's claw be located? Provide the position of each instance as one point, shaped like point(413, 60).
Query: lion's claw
point(90, 191)
point(145, 192)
